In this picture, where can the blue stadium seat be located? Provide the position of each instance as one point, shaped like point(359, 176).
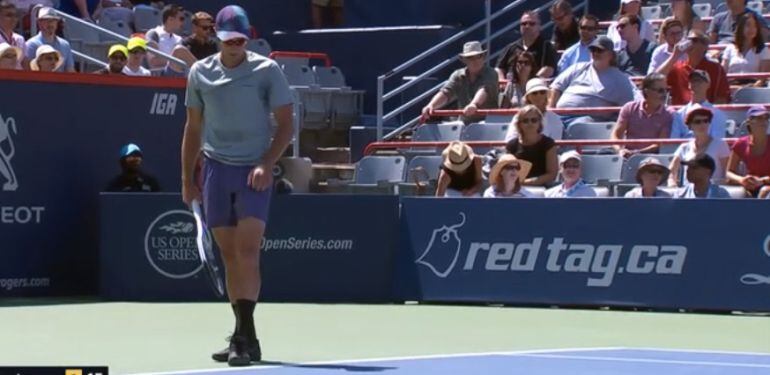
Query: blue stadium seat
point(597, 168)
point(484, 132)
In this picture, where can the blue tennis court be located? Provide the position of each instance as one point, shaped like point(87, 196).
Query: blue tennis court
point(543, 362)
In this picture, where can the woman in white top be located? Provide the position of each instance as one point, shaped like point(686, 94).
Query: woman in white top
point(537, 95)
point(748, 54)
point(698, 120)
point(515, 89)
point(631, 7)
point(649, 175)
point(506, 178)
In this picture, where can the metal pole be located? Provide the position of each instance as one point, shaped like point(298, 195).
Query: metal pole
point(488, 16)
point(295, 123)
point(380, 89)
point(89, 58)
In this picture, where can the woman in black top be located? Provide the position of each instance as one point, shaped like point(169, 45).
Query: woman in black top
point(531, 145)
point(460, 174)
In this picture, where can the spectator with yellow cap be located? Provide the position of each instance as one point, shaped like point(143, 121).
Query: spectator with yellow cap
point(137, 53)
point(117, 57)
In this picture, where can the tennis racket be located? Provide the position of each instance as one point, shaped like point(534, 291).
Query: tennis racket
point(206, 251)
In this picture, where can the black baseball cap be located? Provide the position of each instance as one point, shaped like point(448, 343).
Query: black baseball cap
point(702, 160)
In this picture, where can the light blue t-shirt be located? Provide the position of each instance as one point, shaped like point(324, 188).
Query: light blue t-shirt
point(714, 191)
point(577, 53)
point(59, 44)
point(236, 106)
point(717, 129)
point(583, 86)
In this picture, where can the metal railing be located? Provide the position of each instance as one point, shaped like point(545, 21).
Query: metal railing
point(383, 97)
point(70, 18)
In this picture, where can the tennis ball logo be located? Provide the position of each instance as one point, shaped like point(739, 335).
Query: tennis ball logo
point(759, 278)
point(170, 246)
point(443, 249)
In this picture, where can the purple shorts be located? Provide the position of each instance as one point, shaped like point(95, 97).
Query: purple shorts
point(227, 196)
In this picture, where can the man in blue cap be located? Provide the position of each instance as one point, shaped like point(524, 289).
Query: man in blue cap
point(230, 96)
point(132, 179)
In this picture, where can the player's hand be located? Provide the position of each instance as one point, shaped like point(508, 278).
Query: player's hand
point(190, 192)
point(261, 177)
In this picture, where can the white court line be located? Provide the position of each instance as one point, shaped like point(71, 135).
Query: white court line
point(385, 359)
point(670, 350)
point(640, 360)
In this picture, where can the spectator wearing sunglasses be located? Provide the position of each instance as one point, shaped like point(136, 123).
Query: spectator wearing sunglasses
point(635, 55)
point(531, 145)
point(537, 95)
point(116, 57)
point(532, 41)
point(565, 30)
point(9, 57)
point(47, 59)
point(572, 186)
point(8, 21)
point(48, 22)
point(202, 43)
point(579, 52)
point(650, 174)
point(473, 87)
point(698, 120)
point(507, 178)
point(137, 53)
point(166, 37)
point(646, 118)
point(671, 33)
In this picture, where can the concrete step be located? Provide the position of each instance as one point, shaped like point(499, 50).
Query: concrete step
point(339, 155)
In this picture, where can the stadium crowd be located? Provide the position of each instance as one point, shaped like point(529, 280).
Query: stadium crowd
point(49, 51)
point(679, 66)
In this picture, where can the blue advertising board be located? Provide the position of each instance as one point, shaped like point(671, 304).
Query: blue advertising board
point(694, 254)
point(59, 145)
point(317, 249)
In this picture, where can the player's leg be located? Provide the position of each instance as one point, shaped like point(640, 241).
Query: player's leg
point(251, 208)
point(218, 202)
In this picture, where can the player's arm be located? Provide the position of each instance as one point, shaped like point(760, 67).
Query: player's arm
point(284, 116)
point(191, 145)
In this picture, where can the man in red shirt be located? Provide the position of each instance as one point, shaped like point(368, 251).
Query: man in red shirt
point(678, 72)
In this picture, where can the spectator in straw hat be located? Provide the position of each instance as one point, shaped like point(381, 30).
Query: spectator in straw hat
point(10, 57)
point(48, 22)
point(47, 59)
point(460, 174)
point(649, 175)
point(473, 87)
point(572, 186)
point(507, 178)
point(117, 56)
point(537, 95)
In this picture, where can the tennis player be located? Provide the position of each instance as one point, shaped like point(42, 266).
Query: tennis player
point(230, 96)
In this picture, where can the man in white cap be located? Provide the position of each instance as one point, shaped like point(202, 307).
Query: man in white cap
point(48, 22)
point(537, 95)
point(230, 97)
point(573, 186)
point(473, 87)
point(9, 19)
